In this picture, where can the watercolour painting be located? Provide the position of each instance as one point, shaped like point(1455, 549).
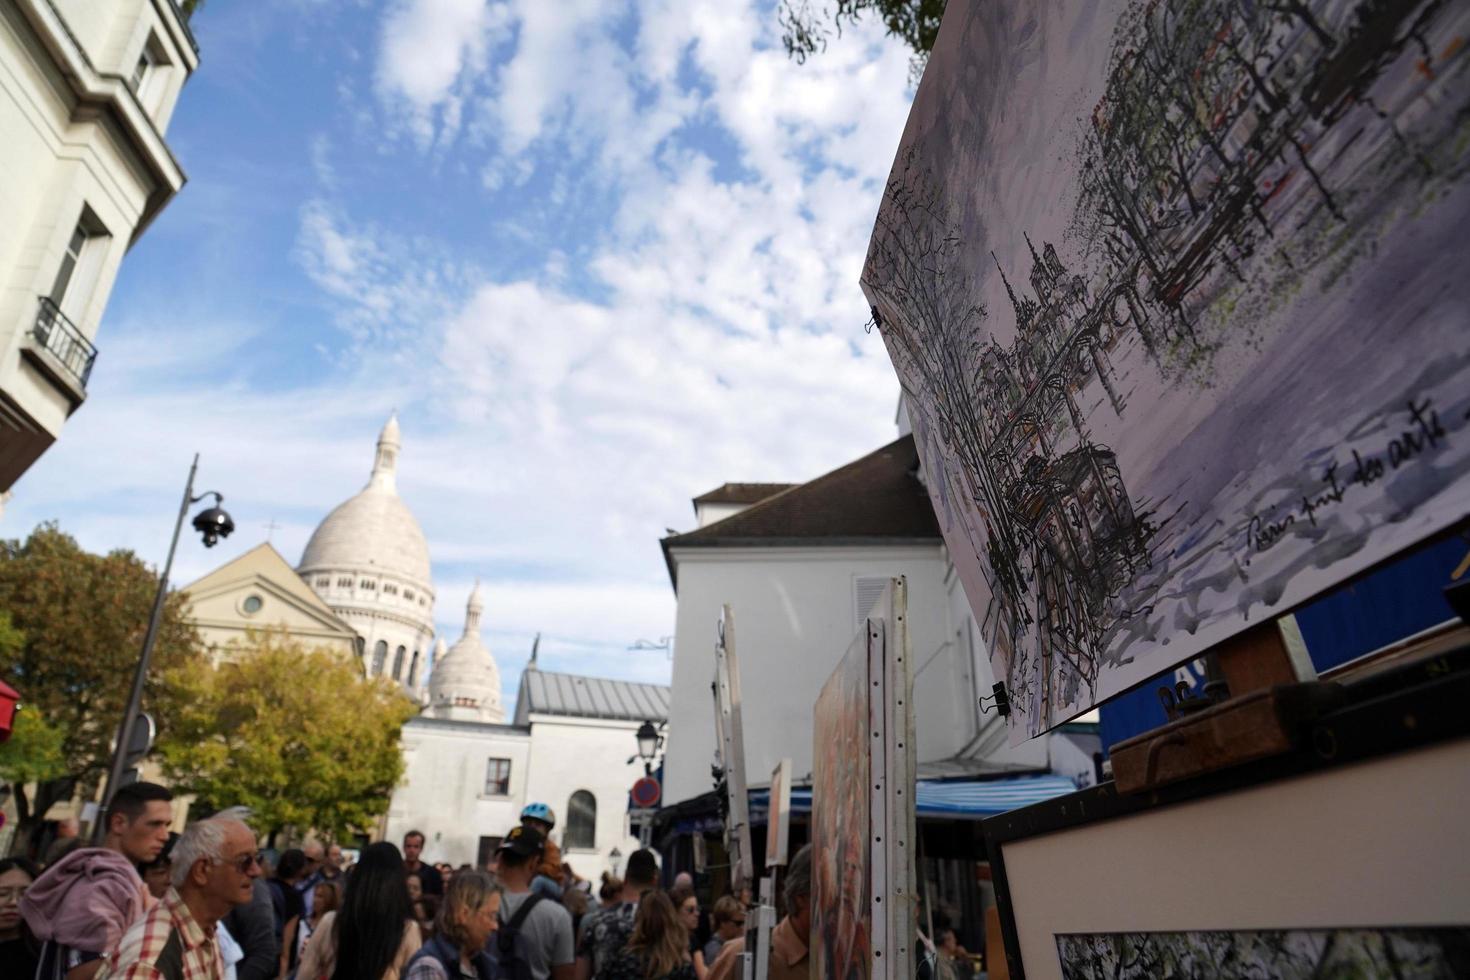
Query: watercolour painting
point(842, 818)
point(1177, 296)
point(1282, 954)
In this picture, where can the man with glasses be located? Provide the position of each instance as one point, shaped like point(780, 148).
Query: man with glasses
point(729, 923)
point(215, 865)
point(253, 925)
point(789, 959)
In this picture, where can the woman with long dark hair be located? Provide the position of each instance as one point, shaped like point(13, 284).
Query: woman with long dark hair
point(659, 946)
point(290, 869)
point(374, 934)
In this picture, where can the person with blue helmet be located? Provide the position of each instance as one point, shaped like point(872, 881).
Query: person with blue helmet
point(540, 818)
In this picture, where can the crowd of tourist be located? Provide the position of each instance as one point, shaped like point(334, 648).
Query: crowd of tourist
point(148, 904)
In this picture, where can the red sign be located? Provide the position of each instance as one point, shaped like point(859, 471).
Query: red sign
point(9, 698)
point(646, 792)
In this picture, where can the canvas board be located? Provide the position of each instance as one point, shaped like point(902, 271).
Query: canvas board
point(778, 824)
point(862, 805)
point(730, 745)
point(1176, 296)
point(1344, 866)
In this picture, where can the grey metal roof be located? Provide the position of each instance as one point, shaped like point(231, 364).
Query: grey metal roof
point(546, 693)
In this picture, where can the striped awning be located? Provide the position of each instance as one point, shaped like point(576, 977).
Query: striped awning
point(951, 799)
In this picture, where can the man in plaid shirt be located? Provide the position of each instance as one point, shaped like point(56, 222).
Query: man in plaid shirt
point(214, 869)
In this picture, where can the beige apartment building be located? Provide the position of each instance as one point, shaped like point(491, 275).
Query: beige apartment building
point(86, 92)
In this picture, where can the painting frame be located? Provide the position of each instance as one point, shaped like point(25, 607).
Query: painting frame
point(730, 746)
point(778, 820)
point(1331, 837)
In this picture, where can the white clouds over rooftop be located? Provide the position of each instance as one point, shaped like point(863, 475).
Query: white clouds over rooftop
point(602, 257)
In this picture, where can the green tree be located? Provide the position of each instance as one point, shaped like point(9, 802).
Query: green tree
point(807, 24)
point(32, 753)
point(294, 732)
point(82, 618)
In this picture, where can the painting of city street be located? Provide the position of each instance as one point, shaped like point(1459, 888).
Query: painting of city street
point(1296, 954)
point(1177, 296)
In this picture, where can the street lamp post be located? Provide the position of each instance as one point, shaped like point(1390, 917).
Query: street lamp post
point(212, 524)
point(649, 742)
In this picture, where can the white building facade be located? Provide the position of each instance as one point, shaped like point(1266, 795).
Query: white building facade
point(466, 778)
point(86, 93)
point(800, 570)
point(369, 561)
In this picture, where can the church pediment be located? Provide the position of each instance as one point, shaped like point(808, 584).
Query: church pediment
point(259, 590)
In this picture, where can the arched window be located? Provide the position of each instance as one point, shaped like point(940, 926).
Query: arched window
point(413, 670)
point(581, 832)
point(398, 663)
point(380, 658)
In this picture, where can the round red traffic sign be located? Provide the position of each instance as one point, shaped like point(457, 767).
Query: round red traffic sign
point(646, 792)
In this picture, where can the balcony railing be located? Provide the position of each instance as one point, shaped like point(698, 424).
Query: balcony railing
point(59, 337)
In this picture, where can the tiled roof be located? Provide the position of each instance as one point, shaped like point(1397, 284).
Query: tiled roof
point(875, 499)
point(742, 493)
point(546, 693)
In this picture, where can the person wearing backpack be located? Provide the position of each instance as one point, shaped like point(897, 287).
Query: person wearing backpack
point(606, 931)
point(466, 922)
point(534, 940)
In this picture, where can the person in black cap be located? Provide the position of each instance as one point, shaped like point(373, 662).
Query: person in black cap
point(545, 926)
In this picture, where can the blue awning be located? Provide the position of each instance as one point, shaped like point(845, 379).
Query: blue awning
point(955, 800)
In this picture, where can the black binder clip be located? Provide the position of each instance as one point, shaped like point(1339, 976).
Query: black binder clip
point(1000, 699)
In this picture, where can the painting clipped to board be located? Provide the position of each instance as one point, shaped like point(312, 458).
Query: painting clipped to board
point(1176, 293)
point(862, 805)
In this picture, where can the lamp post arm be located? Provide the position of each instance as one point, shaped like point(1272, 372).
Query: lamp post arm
point(135, 696)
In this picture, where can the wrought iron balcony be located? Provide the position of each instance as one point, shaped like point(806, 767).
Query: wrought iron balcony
point(59, 337)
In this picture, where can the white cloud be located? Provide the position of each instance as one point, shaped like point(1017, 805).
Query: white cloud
point(551, 431)
point(430, 51)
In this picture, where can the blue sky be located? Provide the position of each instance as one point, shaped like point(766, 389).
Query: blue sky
point(600, 257)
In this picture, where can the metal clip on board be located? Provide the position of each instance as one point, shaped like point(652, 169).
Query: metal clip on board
point(999, 700)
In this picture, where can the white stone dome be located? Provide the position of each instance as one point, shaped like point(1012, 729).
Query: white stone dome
point(465, 684)
point(375, 530)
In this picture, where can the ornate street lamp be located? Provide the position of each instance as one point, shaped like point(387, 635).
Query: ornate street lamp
point(212, 524)
point(649, 741)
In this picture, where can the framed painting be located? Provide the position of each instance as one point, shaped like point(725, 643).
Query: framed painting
point(730, 741)
point(1344, 859)
point(863, 912)
point(1176, 296)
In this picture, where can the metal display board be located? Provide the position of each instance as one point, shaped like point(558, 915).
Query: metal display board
point(863, 805)
point(730, 745)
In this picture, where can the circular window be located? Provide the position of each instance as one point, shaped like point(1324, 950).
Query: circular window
point(252, 604)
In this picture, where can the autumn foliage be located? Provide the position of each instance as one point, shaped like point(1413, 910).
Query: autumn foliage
point(294, 732)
